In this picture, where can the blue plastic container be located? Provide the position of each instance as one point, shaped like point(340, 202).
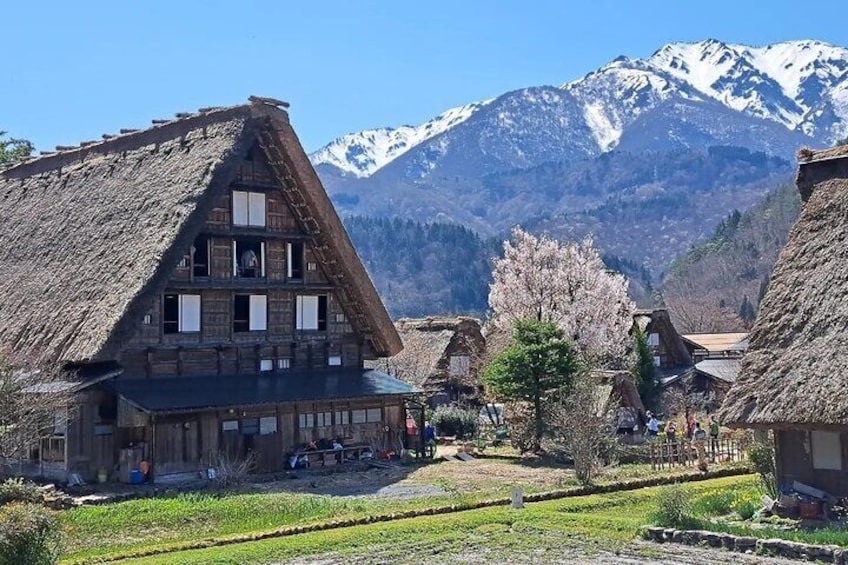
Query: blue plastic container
point(136, 477)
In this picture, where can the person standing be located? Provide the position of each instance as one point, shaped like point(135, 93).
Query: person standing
point(653, 425)
point(714, 432)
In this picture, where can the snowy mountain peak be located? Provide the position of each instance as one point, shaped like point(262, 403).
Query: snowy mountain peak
point(363, 153)
point(794, 89)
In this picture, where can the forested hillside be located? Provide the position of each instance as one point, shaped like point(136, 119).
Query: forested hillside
point(429, 269)
point(717, 285)
point(425, 269)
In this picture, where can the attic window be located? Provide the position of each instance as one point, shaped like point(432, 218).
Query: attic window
point(248, 209)
point(334, 360)
point(294, 260)
point(248, 258)
point(200, 256)
point(657, 360)
point(250, 313)
point(653, 339)
point(311, 313)
point(181, 313)
point(460, 365)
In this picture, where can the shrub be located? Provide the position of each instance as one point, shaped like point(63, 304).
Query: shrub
point(29, 534)
point(19, 490)
point(231, 472)
point(761, 455)
point(745, 508)
point(674, 509)
point(455, 421)
point(715, 503)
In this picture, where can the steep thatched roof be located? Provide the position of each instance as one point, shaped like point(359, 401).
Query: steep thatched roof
point(622, 384)
point(794, 373)
point(658, 321)
point(423, 360)
point(87, 234)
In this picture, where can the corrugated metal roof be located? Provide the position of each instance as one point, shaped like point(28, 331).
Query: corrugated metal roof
point(188, 394)
point(722, 369)
point(715, 343)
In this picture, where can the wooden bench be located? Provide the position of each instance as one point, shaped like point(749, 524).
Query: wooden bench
point(318, 457)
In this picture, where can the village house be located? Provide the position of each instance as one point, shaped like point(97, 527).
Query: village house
point(441, 356)
point(693, 368)
point(197, 284)
point(792, 379)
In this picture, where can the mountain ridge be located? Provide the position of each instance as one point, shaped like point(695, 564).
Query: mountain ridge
point(797, 84)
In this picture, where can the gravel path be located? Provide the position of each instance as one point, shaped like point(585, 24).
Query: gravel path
point(636, 553)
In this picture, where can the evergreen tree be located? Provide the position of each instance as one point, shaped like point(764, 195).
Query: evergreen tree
point(746, 311)
point(538, 365)
point(645, 370)
point(13, 150)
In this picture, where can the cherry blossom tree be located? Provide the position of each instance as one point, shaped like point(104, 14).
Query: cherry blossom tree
point(566, 284)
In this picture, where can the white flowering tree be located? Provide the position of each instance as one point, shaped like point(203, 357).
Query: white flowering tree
point(566, 284)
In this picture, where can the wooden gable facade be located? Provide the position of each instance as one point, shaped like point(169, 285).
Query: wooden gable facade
point(249, 328)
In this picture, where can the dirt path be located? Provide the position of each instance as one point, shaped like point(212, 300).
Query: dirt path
point(636, 553)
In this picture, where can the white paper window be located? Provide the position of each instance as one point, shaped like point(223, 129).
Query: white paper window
point(248, 208)
point(653, 339)
point(374, 415)
point(256, 209)
point(358, 416)
point(266, 365)
point(459, 365)
point(316, 420)
point(827, 450)
point(189, 312)
point(267, 425)
point(657, 360)
point(307, 313)
point(258, 312)
point(229, 425)
point(334, 360)
point(240, 206)
point(283, 363)
point(342, 418)
point(341, 318)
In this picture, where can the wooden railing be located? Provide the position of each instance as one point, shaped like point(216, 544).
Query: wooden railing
point(684, 453)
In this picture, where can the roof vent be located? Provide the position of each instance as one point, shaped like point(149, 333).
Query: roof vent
point(108, 136)
point(268, 101)
point(128, 130)
point(87, 143)
point(65, 147)
point(159, 122)
point(181, 115)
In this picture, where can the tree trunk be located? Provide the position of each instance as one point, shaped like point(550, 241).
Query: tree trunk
point(537, 408)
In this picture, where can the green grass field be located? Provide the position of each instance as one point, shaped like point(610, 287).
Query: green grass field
point(603, 522)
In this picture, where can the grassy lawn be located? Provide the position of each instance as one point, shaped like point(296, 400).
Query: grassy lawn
point(597, 522)
point(156, 522)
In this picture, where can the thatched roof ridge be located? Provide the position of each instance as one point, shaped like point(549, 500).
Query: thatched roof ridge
point(660, 322)
point(436, 323)
point(794, 372)
point(90, 234)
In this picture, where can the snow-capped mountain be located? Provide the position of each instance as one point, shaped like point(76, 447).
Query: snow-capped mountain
point(360, 154)
point(771, 98)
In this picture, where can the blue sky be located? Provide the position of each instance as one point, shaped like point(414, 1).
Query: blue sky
point(75, 70)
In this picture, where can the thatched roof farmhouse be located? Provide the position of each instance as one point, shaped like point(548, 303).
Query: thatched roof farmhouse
point(793, 377)
point(197, 277)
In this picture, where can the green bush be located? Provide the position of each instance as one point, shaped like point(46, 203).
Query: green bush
point(674, 508)
point(29, 534)
point(745, 508)
point(455, 421)
point(19, 490)
point(761, 455)
point(716, 503)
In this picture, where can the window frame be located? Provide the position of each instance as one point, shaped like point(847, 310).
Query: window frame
point(253, 306)
point(181, 322)
point(252, 217)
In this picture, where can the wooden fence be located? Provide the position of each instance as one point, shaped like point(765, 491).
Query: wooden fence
point(684, 453)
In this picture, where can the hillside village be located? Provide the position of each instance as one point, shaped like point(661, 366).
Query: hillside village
point(572, 323)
